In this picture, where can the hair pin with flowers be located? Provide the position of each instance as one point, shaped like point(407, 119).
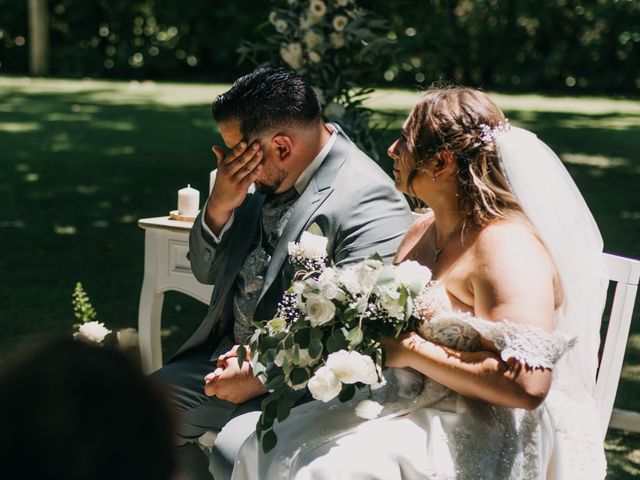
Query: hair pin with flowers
point(490, 134)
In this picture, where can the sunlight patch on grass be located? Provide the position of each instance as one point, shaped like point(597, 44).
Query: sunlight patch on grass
point(595, 160)
point(14, 127)
point(65, 229)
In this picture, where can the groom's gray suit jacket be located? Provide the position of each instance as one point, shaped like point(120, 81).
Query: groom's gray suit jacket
point(350, 198)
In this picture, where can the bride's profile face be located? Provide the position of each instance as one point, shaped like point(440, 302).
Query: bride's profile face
point(403, 161)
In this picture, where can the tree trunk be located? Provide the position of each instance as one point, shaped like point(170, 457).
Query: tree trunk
point(38, 37)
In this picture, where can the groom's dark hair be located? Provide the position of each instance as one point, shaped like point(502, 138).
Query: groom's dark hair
point(268, 98)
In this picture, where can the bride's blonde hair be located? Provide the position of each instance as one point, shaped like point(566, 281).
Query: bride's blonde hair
point(449, 119)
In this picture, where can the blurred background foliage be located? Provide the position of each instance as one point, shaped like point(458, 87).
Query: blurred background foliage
point(517, 45)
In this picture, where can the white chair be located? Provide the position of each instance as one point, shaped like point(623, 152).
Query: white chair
point(625, 273)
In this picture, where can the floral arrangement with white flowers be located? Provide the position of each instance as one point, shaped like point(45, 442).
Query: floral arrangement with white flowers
point(90, 330)
point(337, 46)
point(325, 336)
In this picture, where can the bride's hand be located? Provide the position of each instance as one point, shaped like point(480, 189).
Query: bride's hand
point(399, 350)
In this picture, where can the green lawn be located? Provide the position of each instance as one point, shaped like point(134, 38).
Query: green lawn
point(81, 161)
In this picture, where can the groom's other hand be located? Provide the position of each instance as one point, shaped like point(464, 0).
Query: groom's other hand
point(236, 172)
point(233, 383)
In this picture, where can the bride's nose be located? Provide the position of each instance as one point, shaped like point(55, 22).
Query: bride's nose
point(391, 151)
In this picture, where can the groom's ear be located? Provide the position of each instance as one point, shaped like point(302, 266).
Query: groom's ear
point(282, 145)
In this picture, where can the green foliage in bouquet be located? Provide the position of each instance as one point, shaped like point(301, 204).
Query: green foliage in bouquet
point(338, 47)
point(325, 337)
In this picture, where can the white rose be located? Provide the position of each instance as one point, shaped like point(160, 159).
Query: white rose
point(315, 57)
point(340, 22)
point(349, 280)
point(368, 272)
point(368, 409)
point(127, 338)
point(292, 54)
point(353, 367)
point(324, 385)
point(313, 246)
point(317, 8)
point(312, 39)
point(389, 300)
point(93, 332)
point(319, 310)
point(281, 26)
point(413, 276)
point(336, 39)
point(328, 283)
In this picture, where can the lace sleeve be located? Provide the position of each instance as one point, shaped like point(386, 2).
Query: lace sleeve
point(526, 343)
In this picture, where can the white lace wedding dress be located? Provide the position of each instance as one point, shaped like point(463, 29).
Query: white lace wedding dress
point(427, 431)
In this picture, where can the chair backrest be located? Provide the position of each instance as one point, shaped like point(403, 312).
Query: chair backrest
point(625, 273)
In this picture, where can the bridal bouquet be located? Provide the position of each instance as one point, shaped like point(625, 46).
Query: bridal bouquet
point(325, 336)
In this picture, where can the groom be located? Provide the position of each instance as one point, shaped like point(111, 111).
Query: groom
point(284, 170)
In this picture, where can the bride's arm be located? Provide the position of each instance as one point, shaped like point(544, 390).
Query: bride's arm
point(512, 279)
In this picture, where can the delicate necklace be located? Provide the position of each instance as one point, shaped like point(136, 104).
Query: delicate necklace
point(437, 251)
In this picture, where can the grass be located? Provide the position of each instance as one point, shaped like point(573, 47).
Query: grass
point(82, 161)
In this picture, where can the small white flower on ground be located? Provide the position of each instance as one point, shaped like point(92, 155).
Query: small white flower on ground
point(92, 332)
point(336, 39)
point(127, 338)
point(312, 39)
point(292, 54)
point(340, 22)
point(273, 17)
point(324, 385)
point(317, 8)
point(319, 310)
point(281, 26)
point(314, 57)
point(313, 246)
point(353, 367)
point(413, 276)
point(368, 409)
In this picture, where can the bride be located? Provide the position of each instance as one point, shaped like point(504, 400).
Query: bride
point(507, 351)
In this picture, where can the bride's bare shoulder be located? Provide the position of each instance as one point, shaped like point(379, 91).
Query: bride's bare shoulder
point(512, 245)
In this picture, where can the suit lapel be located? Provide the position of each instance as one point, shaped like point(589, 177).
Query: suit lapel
point(314, 195)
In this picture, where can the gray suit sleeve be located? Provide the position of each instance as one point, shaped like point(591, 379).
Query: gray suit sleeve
point(374, 222)
point(202, 252)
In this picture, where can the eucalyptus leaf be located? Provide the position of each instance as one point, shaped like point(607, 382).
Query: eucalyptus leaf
point(355, 336)
point(347, 393)
point(269, 440)
point(242, 355)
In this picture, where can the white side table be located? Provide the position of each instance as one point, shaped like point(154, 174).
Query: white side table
point(166, 267)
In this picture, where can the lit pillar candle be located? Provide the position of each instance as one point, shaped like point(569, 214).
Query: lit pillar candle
point(188, 202)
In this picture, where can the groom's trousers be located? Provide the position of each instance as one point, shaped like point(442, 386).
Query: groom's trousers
point(196, 413)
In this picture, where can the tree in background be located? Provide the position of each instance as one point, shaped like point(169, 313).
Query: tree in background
point(338, 46)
